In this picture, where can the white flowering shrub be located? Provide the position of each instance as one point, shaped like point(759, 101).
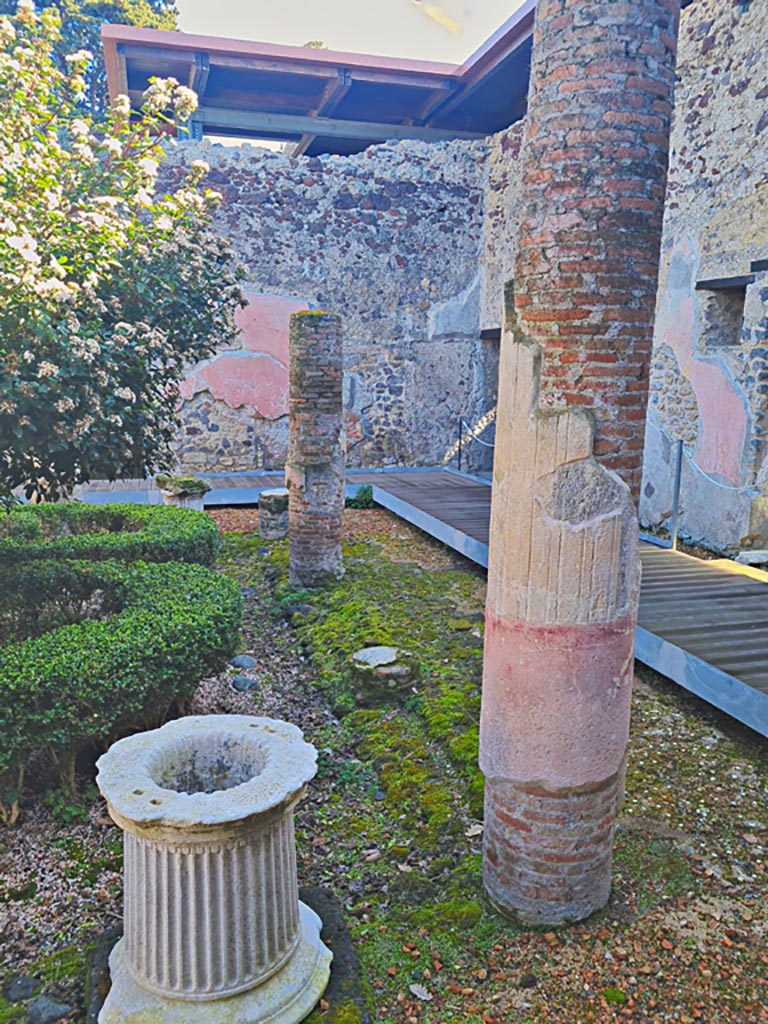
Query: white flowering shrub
point(109, 286)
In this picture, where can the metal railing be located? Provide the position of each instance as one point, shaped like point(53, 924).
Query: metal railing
point(467, 433)
point(680, 452)
point(471, 433)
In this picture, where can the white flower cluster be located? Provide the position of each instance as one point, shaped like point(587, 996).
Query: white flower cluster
point(121, 105)
point(81, 220)
point(165, 94)
point(47, 369)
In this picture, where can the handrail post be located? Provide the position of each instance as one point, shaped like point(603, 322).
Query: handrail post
point(461, 424)
point(676, 492)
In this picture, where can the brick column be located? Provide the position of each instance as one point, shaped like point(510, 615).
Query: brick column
point(564, 568)
point(314, 472)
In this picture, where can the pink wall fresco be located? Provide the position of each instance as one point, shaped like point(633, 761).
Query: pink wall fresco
point(257, 375)
point(723, 420)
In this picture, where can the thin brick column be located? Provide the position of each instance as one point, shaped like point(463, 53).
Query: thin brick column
point(314, 472)
point(564, 567)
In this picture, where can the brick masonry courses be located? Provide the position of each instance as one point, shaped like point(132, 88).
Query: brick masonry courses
point(314, 470)
point(563, 575)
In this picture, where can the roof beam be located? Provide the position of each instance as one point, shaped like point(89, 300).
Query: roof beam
point(337, 128)
point(512, 34)
point(198, 74)
point(121, 68)
point(333, 94)
point(415, 79)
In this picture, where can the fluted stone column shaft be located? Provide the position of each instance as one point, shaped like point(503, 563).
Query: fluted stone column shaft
point(563, 578)
point(314, 471)
point(211, 920)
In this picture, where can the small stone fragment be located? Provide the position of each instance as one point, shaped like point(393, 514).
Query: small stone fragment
point(243, 661)
point(384, 672)
point(757, 556)
point(47, 1011)
point(19, 987)
point(245, 684)
point(374, 657)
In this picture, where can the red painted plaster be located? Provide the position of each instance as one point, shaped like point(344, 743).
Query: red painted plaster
point(722, 417)
point(556, 701)
point(257, 376)
point(243, 378)
point(264, 324)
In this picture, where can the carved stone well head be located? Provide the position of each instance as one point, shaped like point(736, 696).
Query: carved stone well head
point(213, 923)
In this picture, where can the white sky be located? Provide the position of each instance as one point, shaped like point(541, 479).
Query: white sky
point(395, 28)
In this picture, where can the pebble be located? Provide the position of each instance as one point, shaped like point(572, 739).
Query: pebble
point(245, 684)
point(19, 987)
point(47, 1011)
point(244, 661)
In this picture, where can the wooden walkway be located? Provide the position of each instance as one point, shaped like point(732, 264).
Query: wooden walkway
point(703, 624)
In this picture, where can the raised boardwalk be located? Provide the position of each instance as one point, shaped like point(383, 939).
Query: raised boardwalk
point(703, 624)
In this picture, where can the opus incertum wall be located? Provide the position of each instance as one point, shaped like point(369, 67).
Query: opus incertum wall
point(563, 568)
point(395, 238)
point(214, 930)
point(709, 375)
point(415, 242)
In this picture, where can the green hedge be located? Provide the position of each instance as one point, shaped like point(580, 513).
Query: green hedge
point(86, 682)
point(153, 533)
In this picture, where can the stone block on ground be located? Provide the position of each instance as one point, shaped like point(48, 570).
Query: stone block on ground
point(47, 1011)
point(754, 556)
point(382, 674)
point(19, 987)
point(273, 513)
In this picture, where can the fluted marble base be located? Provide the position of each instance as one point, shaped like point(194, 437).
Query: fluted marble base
point(285, 998)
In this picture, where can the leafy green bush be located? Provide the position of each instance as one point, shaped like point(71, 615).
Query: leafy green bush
point(153, 533)
point(110, 282)
point(88, 681)
point(363, 498)
point(38, 596)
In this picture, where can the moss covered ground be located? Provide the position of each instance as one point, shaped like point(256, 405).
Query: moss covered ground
point(392, 824)
point(395, 821)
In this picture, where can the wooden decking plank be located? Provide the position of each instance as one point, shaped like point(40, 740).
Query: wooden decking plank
point(717, 612)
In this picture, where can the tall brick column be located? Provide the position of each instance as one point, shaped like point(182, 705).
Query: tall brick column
point(564, 567)
point(314, 472)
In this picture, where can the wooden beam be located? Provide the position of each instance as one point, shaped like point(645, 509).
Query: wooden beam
point(433, 101)
point(198, 74)
point(717, 284)
point(333, 94)
point(233, 62)
point(291, 125)
point(121, 70)
point(502, 44)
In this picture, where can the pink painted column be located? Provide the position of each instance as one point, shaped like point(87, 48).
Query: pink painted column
point(564, 569)
point(314, 472)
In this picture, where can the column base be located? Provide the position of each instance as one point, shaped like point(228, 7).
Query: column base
point(547, 853)
point(285, 998)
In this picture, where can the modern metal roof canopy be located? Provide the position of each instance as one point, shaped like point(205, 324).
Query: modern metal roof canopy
point(327, 101)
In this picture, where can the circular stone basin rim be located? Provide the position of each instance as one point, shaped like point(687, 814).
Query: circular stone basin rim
point(205, 770)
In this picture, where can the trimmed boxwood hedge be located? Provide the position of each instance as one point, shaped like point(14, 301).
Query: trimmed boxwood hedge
point(154, 533)
point(88, 681)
